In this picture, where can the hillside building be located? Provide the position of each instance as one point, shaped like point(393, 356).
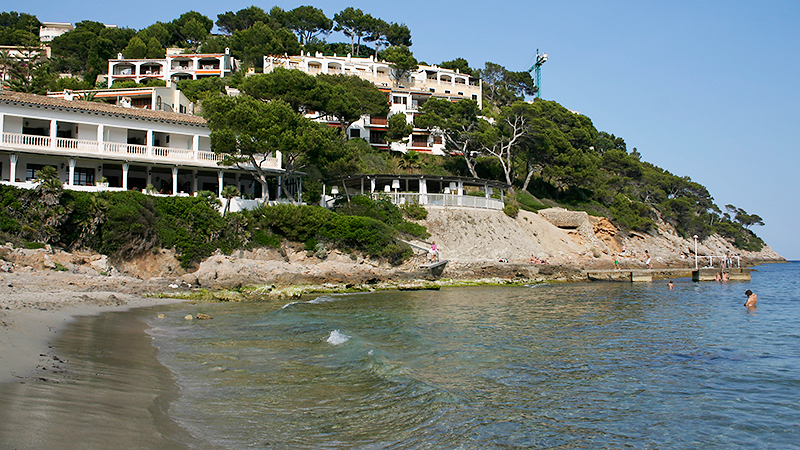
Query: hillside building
point(174, 67)
point(405, 96)
point(168, 98)
point(130, 147)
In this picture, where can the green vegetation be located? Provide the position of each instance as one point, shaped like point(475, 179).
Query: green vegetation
point(123, 224)
point(546, 153)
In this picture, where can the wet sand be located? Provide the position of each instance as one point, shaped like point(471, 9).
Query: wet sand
point(78, 370)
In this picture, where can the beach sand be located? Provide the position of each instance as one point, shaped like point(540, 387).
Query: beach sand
point(77, 369)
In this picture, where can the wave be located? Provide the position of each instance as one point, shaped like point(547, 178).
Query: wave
point(337, 338)
point(314, 301)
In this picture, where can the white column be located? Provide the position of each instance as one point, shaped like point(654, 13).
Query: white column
point(150, 142)
point(280, 182)
point(125, 168)
point(71, 179)
point(175, 180)
point(194, 181)
point(423, 191)
point(196, 146)
point(53, 131)
point(2, 123)
point(372, 185)
point(486, 190)
point(101, 129)
point(460, 193)
point(12, 167)
point(220, 177)
point(279, 156)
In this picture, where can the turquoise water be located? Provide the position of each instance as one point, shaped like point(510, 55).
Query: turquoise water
point(581, 365)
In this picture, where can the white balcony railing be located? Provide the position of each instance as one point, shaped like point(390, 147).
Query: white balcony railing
point(76, 144)
point(123, 150)
point(466, 201)
point(26, 140)
point(120, 148)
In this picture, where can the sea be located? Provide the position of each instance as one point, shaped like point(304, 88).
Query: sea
point(595, 365)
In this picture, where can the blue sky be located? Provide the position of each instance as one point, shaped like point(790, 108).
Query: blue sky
point(703, 89)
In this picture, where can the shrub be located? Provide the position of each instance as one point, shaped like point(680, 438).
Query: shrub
point(528, 202)
point(511, 210)
point(193, 227)
point(130, 224)
point(414, 211)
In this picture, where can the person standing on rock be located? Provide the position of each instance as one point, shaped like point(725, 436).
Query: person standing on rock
point(647, 259)
point(433, 253)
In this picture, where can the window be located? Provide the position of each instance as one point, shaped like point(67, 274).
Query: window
point(32, 169)
point(355, 133)
point(460, 93)
point(446, 91)
point(433, 90)
point(397, 100)
point(84, 177)
point(474, 96)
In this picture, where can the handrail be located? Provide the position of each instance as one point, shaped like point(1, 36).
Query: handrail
point(722, 259)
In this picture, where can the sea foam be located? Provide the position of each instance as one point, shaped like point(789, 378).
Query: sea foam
point(337, 338)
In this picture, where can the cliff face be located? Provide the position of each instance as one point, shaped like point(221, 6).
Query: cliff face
point(566, 237)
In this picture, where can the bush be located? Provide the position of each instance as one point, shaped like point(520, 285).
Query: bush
point(130, 225)
point(314, 224)
point(511, 210)
point(382, 210)
point(528, 202)
point(414, 211)
point(193, 227)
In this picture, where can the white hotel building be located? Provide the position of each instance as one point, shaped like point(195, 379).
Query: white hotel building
point(130, 147)
point(405, 96)
point(175, 66)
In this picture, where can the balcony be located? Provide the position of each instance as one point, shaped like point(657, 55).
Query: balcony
point(118, 150)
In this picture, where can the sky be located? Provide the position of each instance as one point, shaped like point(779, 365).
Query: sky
point(704, 89)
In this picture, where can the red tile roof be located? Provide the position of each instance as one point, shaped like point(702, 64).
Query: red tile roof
point(12, 97)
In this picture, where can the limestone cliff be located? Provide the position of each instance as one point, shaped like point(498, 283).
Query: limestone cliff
point(567, 238)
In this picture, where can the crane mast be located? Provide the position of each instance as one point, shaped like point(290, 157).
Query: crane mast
point(537, 71)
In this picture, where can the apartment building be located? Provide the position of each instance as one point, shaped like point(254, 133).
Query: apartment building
point(405, 96)
point(156, 98)
point(174, 67)
point(131, 148)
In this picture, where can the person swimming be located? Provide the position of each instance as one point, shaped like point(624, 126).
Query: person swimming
point(751, 299)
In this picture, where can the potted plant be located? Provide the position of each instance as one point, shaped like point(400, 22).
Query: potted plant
point(102, 183)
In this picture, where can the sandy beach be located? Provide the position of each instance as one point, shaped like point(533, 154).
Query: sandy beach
point(35, 305)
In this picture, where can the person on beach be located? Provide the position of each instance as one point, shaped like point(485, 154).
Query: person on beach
point(647, 259)
point(670, 285)
point(751, 299)
point(433, 253)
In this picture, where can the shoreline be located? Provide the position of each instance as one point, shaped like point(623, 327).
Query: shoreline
point(37, 301)
point(35, 306)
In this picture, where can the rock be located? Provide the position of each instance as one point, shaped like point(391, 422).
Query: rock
point(190, 279)
point(563, 218)
point(188, 317)
point(162, 316)
point(201, 316)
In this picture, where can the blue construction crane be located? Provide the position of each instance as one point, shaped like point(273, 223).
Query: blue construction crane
point(537, 68)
